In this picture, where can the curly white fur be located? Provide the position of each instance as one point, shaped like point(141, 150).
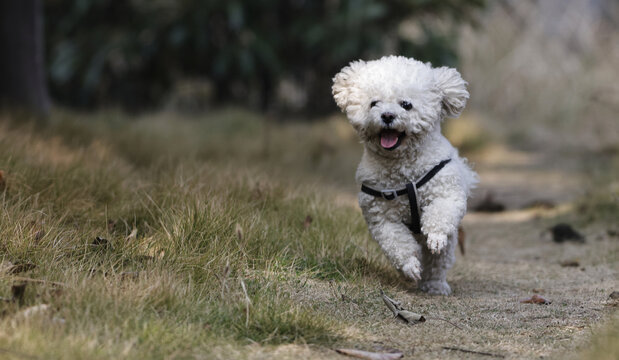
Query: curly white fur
point(365, 91)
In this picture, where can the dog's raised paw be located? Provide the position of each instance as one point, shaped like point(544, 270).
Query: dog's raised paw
point(436, 242)
point(412, 269)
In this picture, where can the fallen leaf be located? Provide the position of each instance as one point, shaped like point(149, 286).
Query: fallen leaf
point(563, 232)
point(393, 305)
point(397, 310)
point(536, 299)
point(307, 222)
point(570, 263)
point(411, 317)
point(371, 355)
point(461, 239)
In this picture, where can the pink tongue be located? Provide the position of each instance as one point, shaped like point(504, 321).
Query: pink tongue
point(388, 139)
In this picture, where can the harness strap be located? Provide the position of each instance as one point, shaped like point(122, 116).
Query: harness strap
point(427, 177)
point(386, 194)
point(415, 225)
point(411, 190)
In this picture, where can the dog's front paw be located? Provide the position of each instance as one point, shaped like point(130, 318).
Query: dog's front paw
point(412, 269)
point(436, 242)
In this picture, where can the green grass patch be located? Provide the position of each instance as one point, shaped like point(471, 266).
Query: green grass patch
point(181, 234)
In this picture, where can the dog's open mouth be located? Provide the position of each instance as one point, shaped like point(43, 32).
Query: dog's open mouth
point(390, 139)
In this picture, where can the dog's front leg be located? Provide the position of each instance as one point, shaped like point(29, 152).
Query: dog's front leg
point(399, 245)
point(441, 218)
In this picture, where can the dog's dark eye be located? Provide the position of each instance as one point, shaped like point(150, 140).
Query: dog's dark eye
point(373, 103)
point(406, 105)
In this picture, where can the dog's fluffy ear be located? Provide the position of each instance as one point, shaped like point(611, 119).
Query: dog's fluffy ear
point(344, 85)
point(453, 90)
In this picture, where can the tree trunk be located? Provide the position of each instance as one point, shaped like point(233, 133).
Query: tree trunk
point(22, 75)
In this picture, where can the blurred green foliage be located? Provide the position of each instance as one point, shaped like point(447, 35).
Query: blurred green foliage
point(104, 52)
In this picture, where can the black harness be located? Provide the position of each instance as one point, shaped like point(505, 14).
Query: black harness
point(411, 190)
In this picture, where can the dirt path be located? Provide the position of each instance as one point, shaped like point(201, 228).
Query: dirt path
point(518, 179)
point(509, 257)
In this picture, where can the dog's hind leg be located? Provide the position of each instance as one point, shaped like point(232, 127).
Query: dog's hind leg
point(435, 266)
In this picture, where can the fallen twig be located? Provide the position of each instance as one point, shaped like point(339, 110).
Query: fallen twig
point(409, 316)
point(370, 355)
point(445, 320)
point(391, 304)
point(395, 307)
point(472, 351)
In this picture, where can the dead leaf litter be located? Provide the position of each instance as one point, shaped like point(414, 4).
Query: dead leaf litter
point(536, 299)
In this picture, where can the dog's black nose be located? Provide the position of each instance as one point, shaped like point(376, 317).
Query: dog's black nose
point(387, 117)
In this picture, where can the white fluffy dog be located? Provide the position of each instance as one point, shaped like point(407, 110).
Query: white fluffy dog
point(396, 105)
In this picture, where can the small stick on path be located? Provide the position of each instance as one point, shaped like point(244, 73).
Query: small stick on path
point(473, 352)
point(408, 316)
point(445, 320)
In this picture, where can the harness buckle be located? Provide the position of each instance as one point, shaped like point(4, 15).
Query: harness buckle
point(389, 194)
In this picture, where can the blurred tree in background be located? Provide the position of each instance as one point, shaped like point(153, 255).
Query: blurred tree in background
point(22, 75)
point(133, 53)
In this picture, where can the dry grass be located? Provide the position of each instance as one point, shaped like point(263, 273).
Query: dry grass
point(207, 254)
